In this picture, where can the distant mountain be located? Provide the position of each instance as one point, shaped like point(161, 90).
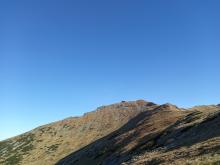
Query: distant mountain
point(134, 132)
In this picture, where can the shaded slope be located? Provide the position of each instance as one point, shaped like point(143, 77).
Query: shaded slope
point(121, 144)
point(195, 139)
point(136, 132)
point(47, 144)
point(164, 135)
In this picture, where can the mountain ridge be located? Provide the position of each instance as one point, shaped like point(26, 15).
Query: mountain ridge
point(117, 133)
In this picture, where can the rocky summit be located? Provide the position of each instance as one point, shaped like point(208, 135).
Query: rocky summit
point(126, 133)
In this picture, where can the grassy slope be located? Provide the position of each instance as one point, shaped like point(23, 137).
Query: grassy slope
point(164, 135)
point(136, 133)
point(51, 142)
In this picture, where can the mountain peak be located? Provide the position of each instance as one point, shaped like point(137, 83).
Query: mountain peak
point(168, 106)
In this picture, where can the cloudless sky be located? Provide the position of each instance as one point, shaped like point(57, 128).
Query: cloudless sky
point(61, 58)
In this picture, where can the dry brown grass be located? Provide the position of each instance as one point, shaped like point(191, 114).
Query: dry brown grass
point(136, 133)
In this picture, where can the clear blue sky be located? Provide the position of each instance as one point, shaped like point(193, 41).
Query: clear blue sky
point(61, 58)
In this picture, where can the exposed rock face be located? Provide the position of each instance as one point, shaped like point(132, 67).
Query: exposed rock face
point(135, 132)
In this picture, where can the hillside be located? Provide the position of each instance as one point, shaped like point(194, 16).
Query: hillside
point(136, 132)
